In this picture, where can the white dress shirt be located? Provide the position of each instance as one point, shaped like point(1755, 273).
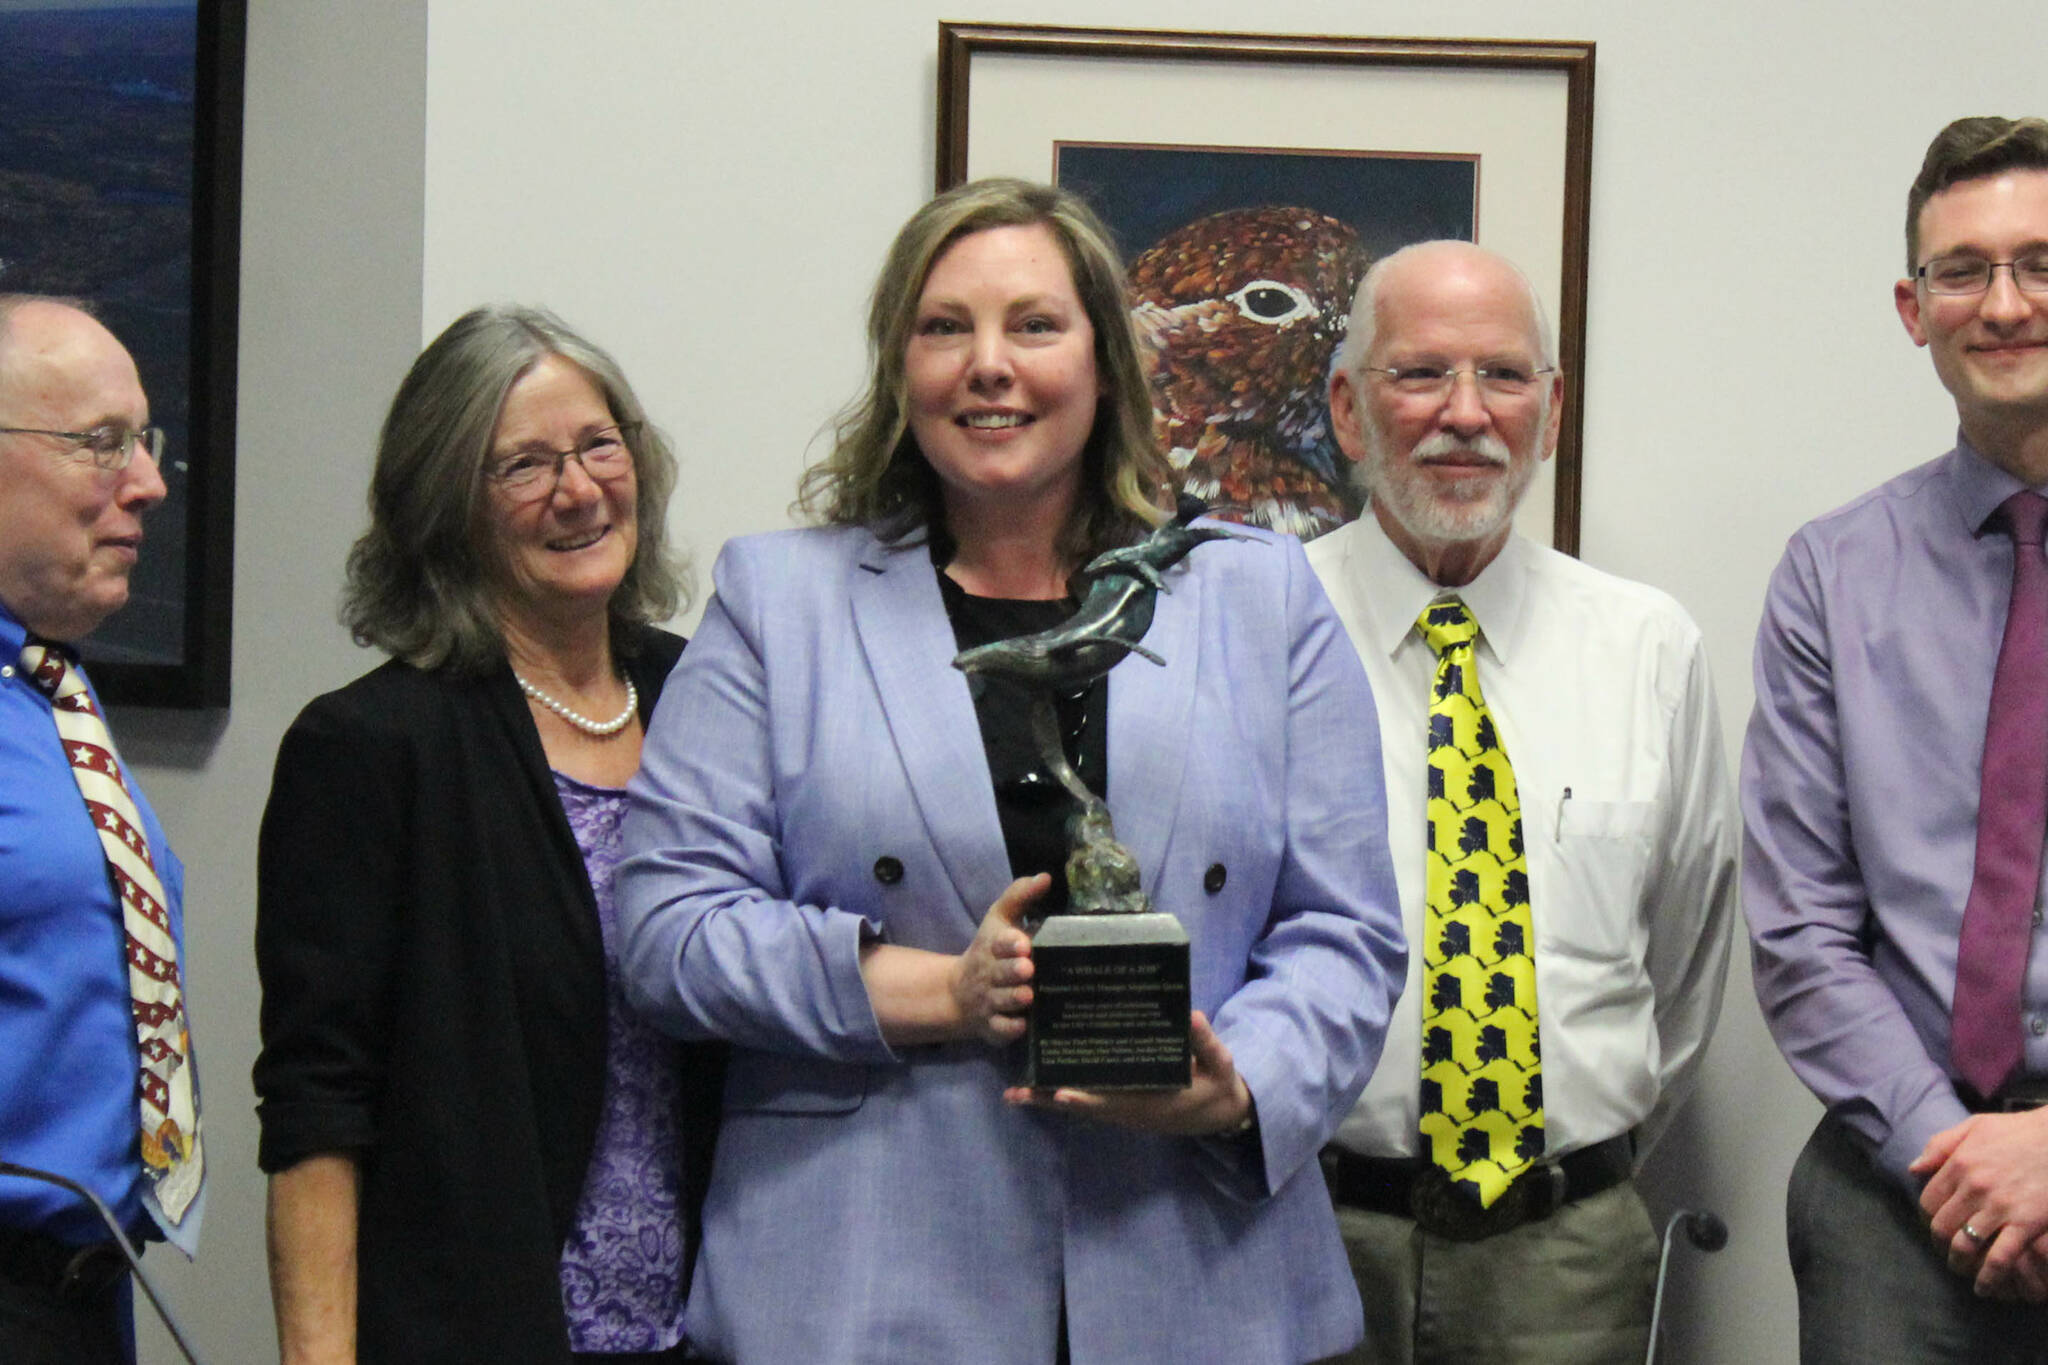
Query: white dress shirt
point(1599, 689)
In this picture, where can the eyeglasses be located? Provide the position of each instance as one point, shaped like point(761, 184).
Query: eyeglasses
point(534, 471)
point(1504, 382)
point(109, 447)
point(1972, 274)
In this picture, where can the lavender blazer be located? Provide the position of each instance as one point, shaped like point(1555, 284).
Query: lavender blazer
point(814, 777)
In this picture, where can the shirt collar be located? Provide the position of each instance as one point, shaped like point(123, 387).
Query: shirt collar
point(13, 635)
point(1979, 485)
point(1394, 592)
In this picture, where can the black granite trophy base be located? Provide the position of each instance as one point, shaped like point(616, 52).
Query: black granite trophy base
point(1109, 1007)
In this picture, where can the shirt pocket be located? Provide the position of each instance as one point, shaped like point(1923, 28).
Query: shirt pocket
point(1588, 906)
point(1605, 820)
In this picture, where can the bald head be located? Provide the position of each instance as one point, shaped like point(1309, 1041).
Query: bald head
point(1446, 399)
point(10, 302)
point(1399, 271)
point(73, 529)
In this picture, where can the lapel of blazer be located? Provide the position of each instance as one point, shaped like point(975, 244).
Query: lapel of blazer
point(909, 646)
point(1151, 713)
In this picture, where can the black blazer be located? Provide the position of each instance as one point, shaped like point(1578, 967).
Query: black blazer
point(434, 1003)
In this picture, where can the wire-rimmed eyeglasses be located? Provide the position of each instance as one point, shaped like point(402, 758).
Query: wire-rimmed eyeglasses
point(1506, 382)
point(109, 447)
point(1972, 274)
point(534, 471)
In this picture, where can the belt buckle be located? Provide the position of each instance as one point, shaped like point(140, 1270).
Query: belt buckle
point(2021, 1096)
point(1442, 1209)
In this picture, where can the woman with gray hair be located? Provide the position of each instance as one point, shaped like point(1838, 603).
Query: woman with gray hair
point(475, 1152)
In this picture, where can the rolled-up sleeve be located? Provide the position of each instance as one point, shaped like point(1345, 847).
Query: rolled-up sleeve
point(330, 859)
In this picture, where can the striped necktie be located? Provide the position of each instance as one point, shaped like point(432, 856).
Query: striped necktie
point(1482, 1085)
point(169, 1115)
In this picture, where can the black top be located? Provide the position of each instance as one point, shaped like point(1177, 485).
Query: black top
point(434, 1003)
point(1030, 802)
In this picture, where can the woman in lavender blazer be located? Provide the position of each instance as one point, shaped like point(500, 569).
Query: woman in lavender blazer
point(823, 868)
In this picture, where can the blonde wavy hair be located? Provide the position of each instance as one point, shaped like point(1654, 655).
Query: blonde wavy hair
point(877, 477)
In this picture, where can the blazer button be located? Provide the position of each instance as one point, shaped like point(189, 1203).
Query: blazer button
point(1213, 879)
point(888, 871)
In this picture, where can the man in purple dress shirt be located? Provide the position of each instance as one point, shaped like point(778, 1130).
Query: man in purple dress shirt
point(1877, 812)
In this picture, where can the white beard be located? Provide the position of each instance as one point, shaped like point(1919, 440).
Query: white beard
point(1441, 518)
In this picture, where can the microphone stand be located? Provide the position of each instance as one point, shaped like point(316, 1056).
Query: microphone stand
point(156, 1301)
point(1705, 1231)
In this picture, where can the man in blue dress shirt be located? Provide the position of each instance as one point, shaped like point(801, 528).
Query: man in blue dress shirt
point(1893, 791)
point(77, 470)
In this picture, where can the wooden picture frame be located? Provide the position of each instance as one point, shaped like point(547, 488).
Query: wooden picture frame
point(1009, 96)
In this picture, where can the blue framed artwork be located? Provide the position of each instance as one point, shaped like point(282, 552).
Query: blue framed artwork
point(1251, 178)
point(120, 175)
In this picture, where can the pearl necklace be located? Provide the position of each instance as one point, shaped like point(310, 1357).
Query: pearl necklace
point(603, 729)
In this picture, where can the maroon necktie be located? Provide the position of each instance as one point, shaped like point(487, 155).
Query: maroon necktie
point(2012, 815)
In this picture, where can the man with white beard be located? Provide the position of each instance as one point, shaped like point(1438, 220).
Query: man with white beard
point(1564, 836)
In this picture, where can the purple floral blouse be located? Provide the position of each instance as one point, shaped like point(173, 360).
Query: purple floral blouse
point(622, 1265)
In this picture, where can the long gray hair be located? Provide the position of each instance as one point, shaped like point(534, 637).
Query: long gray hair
point(420, 579)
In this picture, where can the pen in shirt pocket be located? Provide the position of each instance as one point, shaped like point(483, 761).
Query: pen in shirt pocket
point(1561, 802)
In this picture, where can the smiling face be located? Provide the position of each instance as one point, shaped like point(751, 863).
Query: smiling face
point(1445, 472)
point(1000, 376)
point(562, 554)
point(1990, 349)
point(72, 530)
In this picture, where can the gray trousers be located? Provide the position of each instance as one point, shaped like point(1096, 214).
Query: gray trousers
point(1873, 1286)
point(1575, 1288)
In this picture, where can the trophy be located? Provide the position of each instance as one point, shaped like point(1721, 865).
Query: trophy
point(1110, 992)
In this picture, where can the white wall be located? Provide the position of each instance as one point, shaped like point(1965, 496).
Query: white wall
point(707, 189)
point(332, 201)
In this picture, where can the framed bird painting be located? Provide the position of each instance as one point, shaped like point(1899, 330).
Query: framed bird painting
point(1251, 179)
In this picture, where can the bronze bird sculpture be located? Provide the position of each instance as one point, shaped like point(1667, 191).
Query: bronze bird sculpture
point(1123, 585)
point(1242, 312)
point(1114, 613)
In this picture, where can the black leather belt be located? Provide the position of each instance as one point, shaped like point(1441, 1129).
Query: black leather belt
point(2030, 1092)
point(77, 1272)
point(1410, 1188)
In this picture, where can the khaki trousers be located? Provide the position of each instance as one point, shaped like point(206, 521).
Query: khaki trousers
point(1575, 1288)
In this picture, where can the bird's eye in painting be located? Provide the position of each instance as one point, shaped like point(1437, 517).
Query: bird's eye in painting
point(1240, 313)
point(1273, 303)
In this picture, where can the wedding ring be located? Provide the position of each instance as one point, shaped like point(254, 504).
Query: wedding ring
point(1973, 1234)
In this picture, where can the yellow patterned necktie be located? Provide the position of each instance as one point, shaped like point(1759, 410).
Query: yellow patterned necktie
point(1482, 1084)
